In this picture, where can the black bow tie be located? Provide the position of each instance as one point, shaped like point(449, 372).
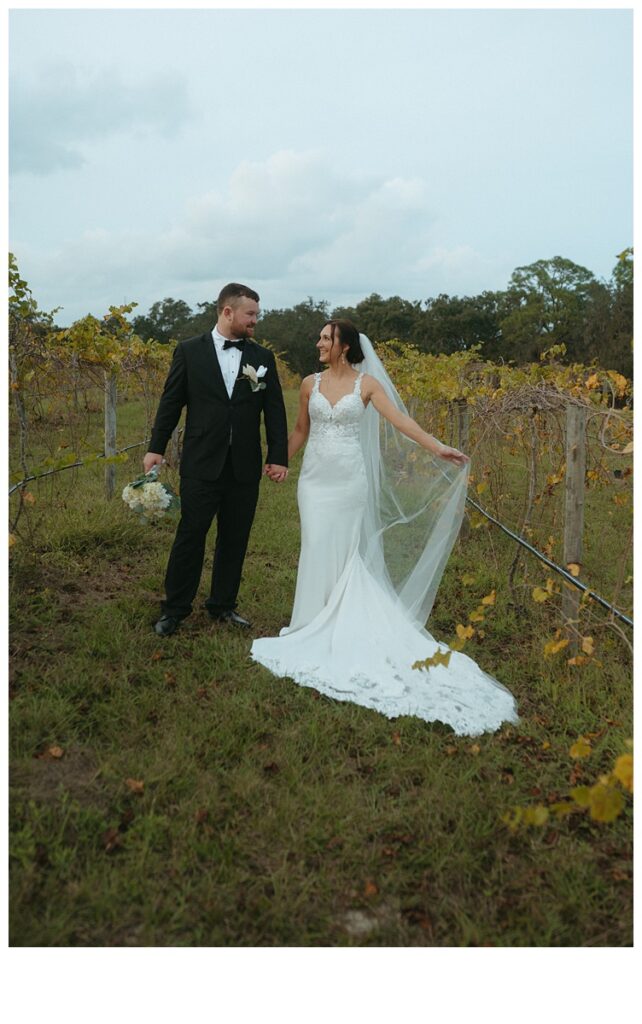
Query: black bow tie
point(234, 343)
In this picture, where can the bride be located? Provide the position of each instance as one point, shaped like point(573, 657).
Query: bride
point(381, 503)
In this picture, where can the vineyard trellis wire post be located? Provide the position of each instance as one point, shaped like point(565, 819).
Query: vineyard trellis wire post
point(574, 512)
point(463, 441)
point(111, 395)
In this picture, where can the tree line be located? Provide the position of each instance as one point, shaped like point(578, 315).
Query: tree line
point(551, 302)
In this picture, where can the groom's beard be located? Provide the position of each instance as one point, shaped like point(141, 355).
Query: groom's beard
point(244, 335)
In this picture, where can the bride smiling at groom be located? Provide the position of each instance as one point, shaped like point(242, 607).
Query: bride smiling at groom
point(381, 503)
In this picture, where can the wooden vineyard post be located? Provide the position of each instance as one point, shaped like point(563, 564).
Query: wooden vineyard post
point(463, 441)
point(110, 433)
point(463, 425)
point(573, 514)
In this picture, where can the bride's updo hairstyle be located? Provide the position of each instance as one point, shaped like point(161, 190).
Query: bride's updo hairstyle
point(345, 332)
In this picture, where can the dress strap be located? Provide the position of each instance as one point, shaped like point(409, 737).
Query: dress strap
point(317, 378)
point(357, 385)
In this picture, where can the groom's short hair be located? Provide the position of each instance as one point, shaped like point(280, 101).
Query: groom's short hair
point(231, 293)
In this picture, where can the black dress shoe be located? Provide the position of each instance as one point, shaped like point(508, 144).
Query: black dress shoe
point(231, 618)
point(166, 625)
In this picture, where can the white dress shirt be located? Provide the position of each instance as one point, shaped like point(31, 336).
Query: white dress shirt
point(229, 360)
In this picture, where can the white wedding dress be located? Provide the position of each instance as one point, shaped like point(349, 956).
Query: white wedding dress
point(348, 637)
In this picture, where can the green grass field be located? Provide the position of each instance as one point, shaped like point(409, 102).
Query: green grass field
point(269, 815)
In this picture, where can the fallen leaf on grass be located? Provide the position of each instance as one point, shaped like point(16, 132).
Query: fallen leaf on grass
point(554, 646)
point(56, 752)
point(135, 785)
point(464, 632)
point(370, 889)
point(111, 840)
point(335, 843)
point(474, 749)
point(396, 739)
point(438, 658)
point(605, 802)
point(581, 748)
point(623, 771)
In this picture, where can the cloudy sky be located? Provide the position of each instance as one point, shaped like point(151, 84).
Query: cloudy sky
point(324, 153)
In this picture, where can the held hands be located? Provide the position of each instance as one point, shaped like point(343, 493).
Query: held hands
point(277, 474)
point(453, 455)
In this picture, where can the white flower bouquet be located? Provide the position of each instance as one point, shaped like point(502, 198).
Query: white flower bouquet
point(149, 498)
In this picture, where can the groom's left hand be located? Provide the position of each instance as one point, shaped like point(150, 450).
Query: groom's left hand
point(276, 473)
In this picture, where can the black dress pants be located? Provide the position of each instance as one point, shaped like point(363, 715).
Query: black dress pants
point(234, 504)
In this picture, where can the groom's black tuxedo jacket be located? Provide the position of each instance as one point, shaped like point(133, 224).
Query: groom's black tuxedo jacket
point(214, 419)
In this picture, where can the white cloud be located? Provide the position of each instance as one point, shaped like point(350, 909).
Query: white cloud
point(56, 114)
point(293, 225)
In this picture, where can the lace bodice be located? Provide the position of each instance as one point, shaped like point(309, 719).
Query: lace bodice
point(335, 425)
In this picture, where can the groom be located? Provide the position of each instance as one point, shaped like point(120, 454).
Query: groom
point(221, 464)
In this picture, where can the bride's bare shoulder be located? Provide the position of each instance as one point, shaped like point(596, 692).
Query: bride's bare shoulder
point(369, 384)
point(307, 384)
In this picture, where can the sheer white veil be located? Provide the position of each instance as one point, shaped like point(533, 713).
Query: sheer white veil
point(415, 504)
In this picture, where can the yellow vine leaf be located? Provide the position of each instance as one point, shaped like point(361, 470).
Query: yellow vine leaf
point(477, 615)
point(482, 486)
point(540, 595)
point(581, 748)
point(562, 808)
point(593, 381)
point(554, 646)
point(573, 568)
point(489, 599)
point(588, 644)
point(579, 659)
point(464, 632)
point(623, 771)
point(468, 579)
point(581, 795)
point(438, 658)
point(537, 815)
point(606, 802)
point(556, 478)
point(513, 818)
point(627, 450)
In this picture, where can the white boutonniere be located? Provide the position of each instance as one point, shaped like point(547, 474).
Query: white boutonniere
point(253, 376)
